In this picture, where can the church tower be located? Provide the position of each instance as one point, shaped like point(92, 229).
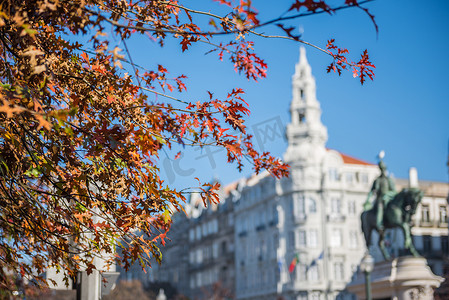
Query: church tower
point(306, 134)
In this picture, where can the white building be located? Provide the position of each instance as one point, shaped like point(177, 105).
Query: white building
point(300, 237)
point(311, 218)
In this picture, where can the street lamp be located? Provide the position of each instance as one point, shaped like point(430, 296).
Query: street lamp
point(161, 295)
point(367, 266)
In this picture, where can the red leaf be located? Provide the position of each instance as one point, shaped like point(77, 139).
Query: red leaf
point(228, 3)
point(178, 155)
point(85, 57)
point(161, 69)
point(185, 44)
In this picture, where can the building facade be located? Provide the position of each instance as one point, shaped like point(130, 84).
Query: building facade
point(300, 237)
point(211, 249)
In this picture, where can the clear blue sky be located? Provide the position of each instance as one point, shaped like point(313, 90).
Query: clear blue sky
point(404, 111)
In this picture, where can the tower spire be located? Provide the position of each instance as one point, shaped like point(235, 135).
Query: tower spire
point(305, 126)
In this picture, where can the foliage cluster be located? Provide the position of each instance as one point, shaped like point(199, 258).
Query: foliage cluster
point(81, 137)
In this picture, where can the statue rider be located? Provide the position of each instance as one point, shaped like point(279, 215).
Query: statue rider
point(384, 189)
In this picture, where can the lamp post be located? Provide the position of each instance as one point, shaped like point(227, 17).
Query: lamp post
point(161, 295)
point(367, 266)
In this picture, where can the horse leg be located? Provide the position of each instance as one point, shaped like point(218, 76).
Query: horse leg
point(366, 229)
point(408, 242)
point(381, 243)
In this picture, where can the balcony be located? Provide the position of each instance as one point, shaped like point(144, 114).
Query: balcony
point(443, 224)
point(433, 223)
point(335, 217)
point(426, 223)
point(300, 218)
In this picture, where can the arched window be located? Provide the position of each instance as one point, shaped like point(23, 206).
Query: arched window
point(312, 205)
point(302, 118)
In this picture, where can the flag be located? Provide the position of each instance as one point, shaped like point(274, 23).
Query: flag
point(315, 261)
point(293, 264)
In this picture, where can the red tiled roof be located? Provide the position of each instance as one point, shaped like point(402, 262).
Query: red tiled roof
point(354, 161)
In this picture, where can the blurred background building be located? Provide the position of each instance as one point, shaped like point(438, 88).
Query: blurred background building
point(295, 238)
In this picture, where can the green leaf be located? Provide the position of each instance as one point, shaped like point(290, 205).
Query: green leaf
point(33, 172)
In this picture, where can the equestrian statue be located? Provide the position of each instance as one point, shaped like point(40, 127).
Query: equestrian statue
point(389, 209)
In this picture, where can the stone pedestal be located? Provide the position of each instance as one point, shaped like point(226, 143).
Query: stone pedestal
point(404, 278)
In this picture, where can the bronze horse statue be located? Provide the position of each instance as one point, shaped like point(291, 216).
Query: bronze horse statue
point(397, 213)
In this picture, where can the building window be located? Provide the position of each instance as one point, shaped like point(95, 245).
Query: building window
point(335, 206)
point(242, 246)
point(364, 178)
point(302, 241)
point(313, 238)
point(353, 239)
point(275, 242)
point(223, 248)
point(312, 205)
point(204, 229)
point(315, 296)
point(210, 228)
point(299, 206)
point(191, 234)
point(351, 207)
point(199, 256)
point(336, 238)
point(198, 232)
point(313, 273)
point(427, 243)
point(425, 213)
point(301, 92)
point(261, 250)
point(349, 177)
point(302, 296)
point(302, 118)
point(339, 272)
point(231, 220)
point(443, 214)
point(333, 174)
point(274, 211)
point(207, 253)
point(301, 272)
point(215, 250)
point(199, 279)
